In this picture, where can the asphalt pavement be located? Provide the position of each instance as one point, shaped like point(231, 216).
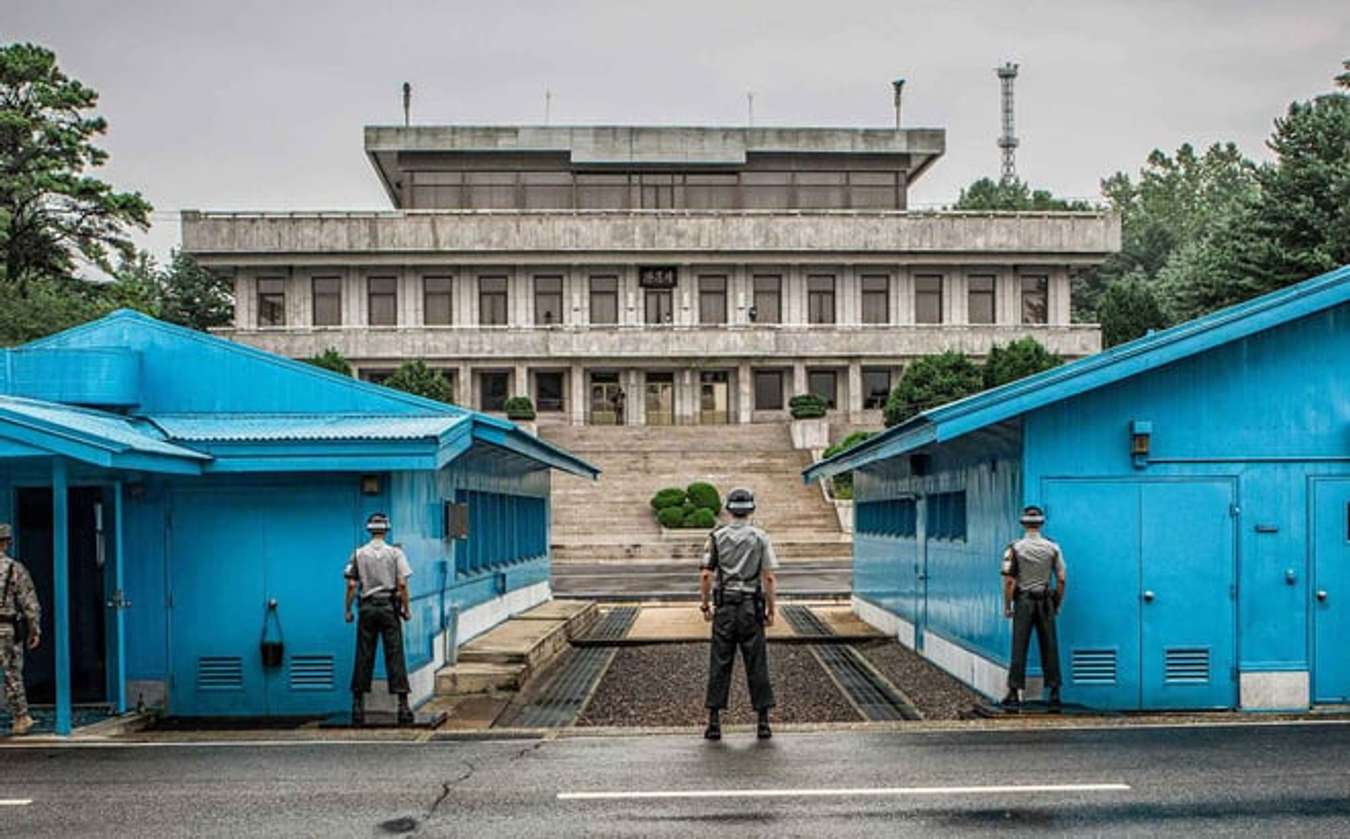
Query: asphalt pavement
point(679, 580)
point(1260, 780)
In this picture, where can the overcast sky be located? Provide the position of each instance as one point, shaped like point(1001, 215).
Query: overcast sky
point(238, 104)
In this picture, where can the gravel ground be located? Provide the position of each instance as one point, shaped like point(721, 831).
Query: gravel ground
point(664, 685)
point(937, 695)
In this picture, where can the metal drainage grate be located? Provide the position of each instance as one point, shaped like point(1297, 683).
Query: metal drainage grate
point(876, 700)
point(564, 697)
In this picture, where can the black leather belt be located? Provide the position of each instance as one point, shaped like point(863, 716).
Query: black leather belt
point(1040, 594)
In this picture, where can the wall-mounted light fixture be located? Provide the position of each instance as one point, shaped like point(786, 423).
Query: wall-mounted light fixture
point(370, 484)
point(1141, 439)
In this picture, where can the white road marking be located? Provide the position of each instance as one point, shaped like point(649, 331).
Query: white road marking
point(843, 793)
point(15, 802)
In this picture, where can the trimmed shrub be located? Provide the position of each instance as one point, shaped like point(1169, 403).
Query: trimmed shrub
point(807, 406)
point(669, 497)
point(670, 517)
point(702, 519)
point(519, 408)
point(704, 496)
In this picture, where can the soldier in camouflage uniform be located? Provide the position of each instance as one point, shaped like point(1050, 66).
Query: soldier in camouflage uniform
point(18, 599)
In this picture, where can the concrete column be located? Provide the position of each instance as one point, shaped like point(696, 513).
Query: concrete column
point(245, 301)
point(630, 296)
point(520, 306)
point(466, 298)
point(299, 300)
point(635, 406)
point(902, 297)
point(739, 294)
point(1009, 298)
point(960, 301)
point(61, 592)
point(578, 291)
point(520, 381)
point(744, 391)
point(464, 385)
point(409, 298)
point(855, 394)
point(799, 385)
point(1061, 294)
point(576, 381)
point(353, 298)
point(686, 397)
point(686, 297)
point(794, 295)
point(849, 289)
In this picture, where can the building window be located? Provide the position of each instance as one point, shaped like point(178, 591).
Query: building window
point(876, 385)
point(548, 300)
point(1035, 300)
point(492, 301)
point(327, 301)
point(876, 299)
point(928, 298)
point(768, 390)
point(980, 296)
point(768, 303)
point(548, 392)
point(271, 302)
point(437, 309)
point(382, 301)
point(660, 305)
point(604, 300)
point(712, 299)
point(492, 390)
point(824, 383)
point(375, 375)
point(820, 299)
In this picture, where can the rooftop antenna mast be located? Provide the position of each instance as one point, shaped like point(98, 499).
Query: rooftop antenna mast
point(1007, 74)
point(750, 108)
point(899, 85)
point(548, 105)
point(407, 104)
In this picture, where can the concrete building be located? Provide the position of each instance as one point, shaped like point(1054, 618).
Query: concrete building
point(1198, 480)
point(179, 498)
point(652, 275)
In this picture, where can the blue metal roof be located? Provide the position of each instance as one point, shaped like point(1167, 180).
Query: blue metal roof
point(284, 427)
point(92, 436)
point(1121, 362)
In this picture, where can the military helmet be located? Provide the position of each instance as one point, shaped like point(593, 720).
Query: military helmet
point(377, 523)
point(740, 502)
point(1033, 516)
point(6, 532)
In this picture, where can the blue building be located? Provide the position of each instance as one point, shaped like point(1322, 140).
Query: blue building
point(179, 498)
point(1199, 481)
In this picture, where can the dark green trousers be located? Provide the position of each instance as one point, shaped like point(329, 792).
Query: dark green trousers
point(379, 622)
point(1038, 614)
point(735, 626)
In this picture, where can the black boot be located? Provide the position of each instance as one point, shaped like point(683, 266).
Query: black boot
point(405, 714)
point(762, 731)
point(714, 729)
point(1012, 703)
point(1055, 706)
point(358, 709)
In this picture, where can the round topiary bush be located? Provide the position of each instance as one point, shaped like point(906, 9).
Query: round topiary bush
point(670, 517)
point(807, 406)
point(702, 519)
point(669, 497)
point(519, 408)
point(704, 496)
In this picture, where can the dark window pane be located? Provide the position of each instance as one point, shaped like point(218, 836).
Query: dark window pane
point(548, 392)
point(876, 299)
point(768, 390)
point(1035, 300)
point(548, 300)
point(327, 301)
point(659, 306)
point(382, 298)
point(768, 302)
point(823, 383)
point(712, 299)
point(604, 300)
point(271, 302)
point(492, 390)
point(928, 298)
point(820, 299)
point(876, 386)
point(492, 301)
point(981, 300)
point(436, 301)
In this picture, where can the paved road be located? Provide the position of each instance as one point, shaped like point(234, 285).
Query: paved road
point(1256, 780)
point(676, 579)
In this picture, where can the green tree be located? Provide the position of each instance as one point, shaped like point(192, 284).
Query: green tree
point(417, 378)
point(1129, 309)
point(1019, 359)
point(194, 296)
point(1012, 195)
point(52, 213)
point(49, 304)
point(932, 381)
point(136, 284)
point(331, 359)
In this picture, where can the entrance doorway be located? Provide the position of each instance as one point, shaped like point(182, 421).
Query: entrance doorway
point(493, 388)
point(1331, 589)
point(548, 386)
point(89, 558)
point(660, 399)
point(714, 398)
point(607, 399)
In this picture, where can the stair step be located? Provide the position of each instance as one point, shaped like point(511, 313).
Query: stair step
point(480, 677)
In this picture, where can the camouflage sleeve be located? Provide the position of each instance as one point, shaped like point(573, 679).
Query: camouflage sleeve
point(26, 596)
point(709, 561)
point(1009, 568)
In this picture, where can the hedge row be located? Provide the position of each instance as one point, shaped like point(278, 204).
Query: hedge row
point(695, 506)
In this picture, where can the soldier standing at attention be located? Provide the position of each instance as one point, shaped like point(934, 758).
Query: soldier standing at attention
point(740, 559)
point(18, 599)
point(1028, 566)
point(379, 572)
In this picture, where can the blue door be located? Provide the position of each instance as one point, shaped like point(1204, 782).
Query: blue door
point(1187, 594)
point(1096, 523)
point(1331, 590)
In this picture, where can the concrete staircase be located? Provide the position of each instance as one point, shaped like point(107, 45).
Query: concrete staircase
point(506, 656)
point(611, 519)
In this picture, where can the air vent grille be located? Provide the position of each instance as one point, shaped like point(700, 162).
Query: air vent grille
point(1186, 665)
point(311, 672)
point(1094, 667)
point(220, 672)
